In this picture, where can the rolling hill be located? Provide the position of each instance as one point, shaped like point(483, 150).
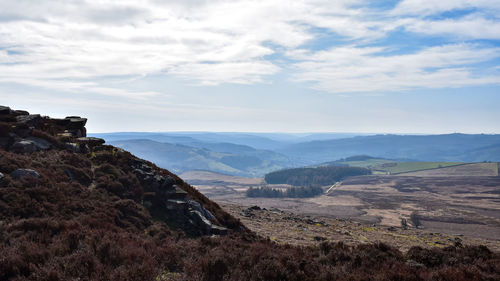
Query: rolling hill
point(450, 147)
point(223, 158)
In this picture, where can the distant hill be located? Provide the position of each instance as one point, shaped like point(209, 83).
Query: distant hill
point(254, 154)
point(450, 147)
point(218, 157)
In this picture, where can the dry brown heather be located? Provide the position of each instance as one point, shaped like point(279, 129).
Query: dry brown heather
point(446, 207)
point(92, 224)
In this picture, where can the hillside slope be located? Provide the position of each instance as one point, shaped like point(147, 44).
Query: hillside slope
point(450, 147)
point(225, 158)
point(72, 208)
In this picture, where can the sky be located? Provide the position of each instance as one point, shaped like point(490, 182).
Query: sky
point(408, 66)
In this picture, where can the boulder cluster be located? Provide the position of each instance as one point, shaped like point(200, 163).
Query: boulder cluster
point(21, 139)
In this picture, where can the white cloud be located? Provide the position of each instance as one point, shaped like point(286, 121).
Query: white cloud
point(469, 27)
point(221, 41)
point(430, 7)
point(352, 69)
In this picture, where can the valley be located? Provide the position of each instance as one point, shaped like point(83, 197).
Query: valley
point(461, 200)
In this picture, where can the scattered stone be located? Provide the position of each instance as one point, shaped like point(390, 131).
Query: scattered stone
point(22, 173)
point(69, 174)
point(23, 146)
point(319, 238)
point(391, 228)
point(1, 176)
point(247, 213)
point(412, 263)
point(255, 208)
point(315, 222)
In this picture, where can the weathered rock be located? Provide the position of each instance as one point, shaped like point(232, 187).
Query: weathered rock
point(412, 263)
point(1, 176)
point(176, 193)
point(90, 141)
point(218, 230)
point(23, 146)
point(197, 206)
point(165, 198)
point(74, 126)
point(65, 135)
point(5, 110)
point(200, 221)
point(31, 119)
point(176, 205)
point(30, 145)
point(40, 144)
point(20, 112)
point(75, 147)
point(22, 173)
point(76, 122)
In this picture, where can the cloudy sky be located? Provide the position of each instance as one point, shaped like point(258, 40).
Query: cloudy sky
point(408, 66)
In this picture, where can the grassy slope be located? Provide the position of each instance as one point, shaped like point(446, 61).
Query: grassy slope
point(404, 167)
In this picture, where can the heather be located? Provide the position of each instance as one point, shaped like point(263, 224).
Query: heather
point(95, 212)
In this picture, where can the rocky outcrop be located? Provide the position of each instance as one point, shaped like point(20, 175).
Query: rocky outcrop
point(30, 119)
point(21, 139)
point(5, 110)
point(164, 197)
point(24, 173)
point(74, 126)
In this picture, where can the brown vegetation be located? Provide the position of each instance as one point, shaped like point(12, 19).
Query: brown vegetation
point(85, 219)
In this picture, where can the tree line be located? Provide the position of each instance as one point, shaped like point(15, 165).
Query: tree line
point(318, 176)
point(293, 192)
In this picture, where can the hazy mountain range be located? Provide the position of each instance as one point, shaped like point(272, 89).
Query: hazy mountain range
point(254, 154)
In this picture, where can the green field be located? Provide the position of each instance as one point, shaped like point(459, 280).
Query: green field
point(404, 167)
point(370, 163)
